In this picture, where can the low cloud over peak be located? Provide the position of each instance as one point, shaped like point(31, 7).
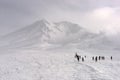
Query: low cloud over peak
point(95, 15)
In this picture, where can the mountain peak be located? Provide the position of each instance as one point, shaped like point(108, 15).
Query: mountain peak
point(43, 21)
point(60, 33)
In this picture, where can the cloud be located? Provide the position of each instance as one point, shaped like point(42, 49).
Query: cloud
point(104, 13)
point(103, 19)
point(94, 15)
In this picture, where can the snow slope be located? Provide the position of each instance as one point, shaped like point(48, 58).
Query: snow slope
point(55, 65)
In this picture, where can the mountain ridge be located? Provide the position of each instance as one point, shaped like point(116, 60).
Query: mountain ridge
point(43, 32)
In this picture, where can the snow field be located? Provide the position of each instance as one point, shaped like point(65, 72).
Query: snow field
point(52, 65)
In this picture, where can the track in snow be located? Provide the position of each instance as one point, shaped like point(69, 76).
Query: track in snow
point(86, 72)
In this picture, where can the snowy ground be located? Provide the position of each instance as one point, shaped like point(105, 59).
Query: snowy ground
point(56, 65)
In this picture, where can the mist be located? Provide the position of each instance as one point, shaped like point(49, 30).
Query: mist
point(96, 16)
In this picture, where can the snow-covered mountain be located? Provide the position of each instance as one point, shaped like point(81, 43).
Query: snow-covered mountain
point(43, 34)
point(65, 39)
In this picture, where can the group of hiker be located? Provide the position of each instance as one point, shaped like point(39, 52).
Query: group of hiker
point(82, 58)
point(94, 58)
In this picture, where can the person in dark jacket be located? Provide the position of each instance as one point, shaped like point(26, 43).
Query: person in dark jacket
point(82, 59)
point(99, 57)
point(103, 58)
point(111, 57)
point(93, 58)
point(96, 58)
point(77, 56)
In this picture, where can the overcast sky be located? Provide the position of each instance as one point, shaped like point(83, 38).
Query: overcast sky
point(94, 15)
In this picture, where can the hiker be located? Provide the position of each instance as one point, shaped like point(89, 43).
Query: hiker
point(111, 57)
point(77, 56)
point(96, 59)
point(99, 57)
point(103, 58)
point(93, 58)
point(82, 59)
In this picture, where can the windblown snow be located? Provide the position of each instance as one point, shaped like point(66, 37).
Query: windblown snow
point(45, 51)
